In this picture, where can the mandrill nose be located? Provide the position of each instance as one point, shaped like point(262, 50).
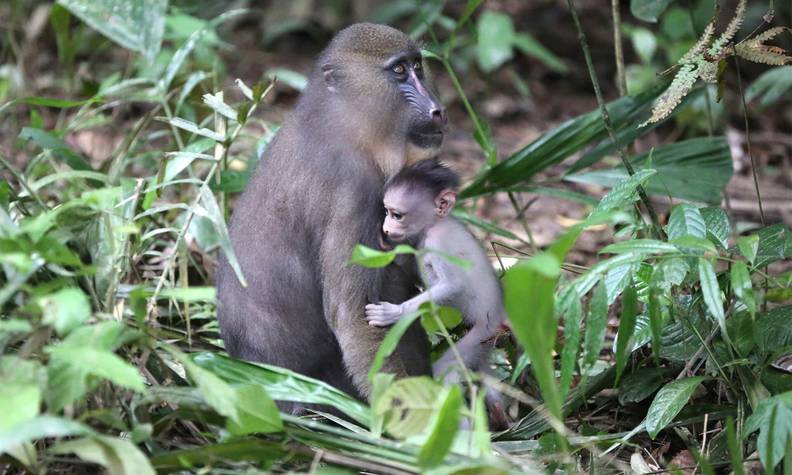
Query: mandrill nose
point(438, 115)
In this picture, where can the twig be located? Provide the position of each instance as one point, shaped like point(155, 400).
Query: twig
point(618, 48)
point(748, 140)
point(658, 231)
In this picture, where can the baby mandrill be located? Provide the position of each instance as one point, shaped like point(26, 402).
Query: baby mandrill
point(418, 202)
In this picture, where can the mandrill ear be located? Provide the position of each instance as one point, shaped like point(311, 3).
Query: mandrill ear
point(331, 76)
point(444, 202)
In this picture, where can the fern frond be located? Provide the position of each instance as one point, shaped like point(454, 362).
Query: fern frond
point(772, 55)
point(716, 50)
point(707, 71)
point(754, 50)
point(700, 45)
point(680, 87)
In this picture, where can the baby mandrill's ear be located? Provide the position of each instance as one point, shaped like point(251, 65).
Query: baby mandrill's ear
point(444, 202)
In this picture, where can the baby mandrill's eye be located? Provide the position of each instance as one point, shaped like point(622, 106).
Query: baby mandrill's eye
point(397, 216)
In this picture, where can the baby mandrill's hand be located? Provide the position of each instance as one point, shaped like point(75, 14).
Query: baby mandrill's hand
point(383, 314)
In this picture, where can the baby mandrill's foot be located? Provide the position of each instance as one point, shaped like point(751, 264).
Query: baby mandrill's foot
point(383, 314)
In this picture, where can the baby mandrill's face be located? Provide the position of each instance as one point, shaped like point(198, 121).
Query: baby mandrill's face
point(407, 213)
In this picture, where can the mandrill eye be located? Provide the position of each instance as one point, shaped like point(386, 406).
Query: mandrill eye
point(399, 68)
point(418, 67)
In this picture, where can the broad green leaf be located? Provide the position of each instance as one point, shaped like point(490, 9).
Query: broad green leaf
point(442, 428)
point(596, 324)
point(101, 363)
point(641, 384)
point(374, 258)
point(672, 271)
point(293, 79)
point(216, 103)
point(668, 402)
point(712, 294)
point(749, 246)
point(391, 340)
point(18, 403)
point(772, 330)
point(773, 418)
point(410, 403)
point(57, 146)
point(770, 85)
point(495, 38)
point(529, 301)
point(65, 310)
point(718, 227)
point(656, 320)
point(617, 279)
point(118, 456)
point(623, 192)
point(689, 244)
point(39, 428)
point(55, 102)
point(640, 246)
point(648, 10)
point(686, 220)
point(189, 294)
point(741, 285)
point(573, 317)
point(775, 244)
point(644, 42)
point(137, 25)
point(624, 339)
point(556, 145)
point(217, 393)
point(528, 45)
point(193, 128)
point(248, 450)
point(256, 411)
point(282, 384)
point(449, 317)
point(695, 169)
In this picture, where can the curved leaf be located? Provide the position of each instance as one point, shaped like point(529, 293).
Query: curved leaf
point(668, 402)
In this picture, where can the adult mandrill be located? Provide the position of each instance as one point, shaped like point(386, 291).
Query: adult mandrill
point(366, 112)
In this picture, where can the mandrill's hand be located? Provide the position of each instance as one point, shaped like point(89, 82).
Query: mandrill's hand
point(383, 314)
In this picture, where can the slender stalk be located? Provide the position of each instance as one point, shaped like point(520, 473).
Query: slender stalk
point(618, 48)
point(658, 231)
point(22, 182)
point(748, 140)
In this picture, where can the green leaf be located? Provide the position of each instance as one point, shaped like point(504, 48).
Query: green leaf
point(138, 26)
point(282, 384)
point(686, 220)
point(742, 286)
point(748, 245)
point(189, 294)
point(442, 428)
point(561, 142)
point(668, 402)
point(248, 450)
point(640, 246)
point(65, 310)
point(689, 244)
point(529, 300)
point(528, 45)
point(773, 419)
point(118, 456)
point(495, 38)
point(623, 192)
point(193, 128)
point(211, 210)
point(390, 341)
point(373, 258)
point(39, 428)
point(624, 339)
point(644, 43)
point(641, 384)
point(57, 146)
point(18, 403)
point(775, 244)
point(596, 324)
point(293, 79)
point(695, 169)
point(409, 405)
point(718, 227)
point(573, 317)
point(217, 393)
point(449, 317)
point(103, 364)
point(770, 86)
point(648, 10)
point(256, 410)
point(772, 330)
point(216, 103)
point(712, 294)
point(55, 103)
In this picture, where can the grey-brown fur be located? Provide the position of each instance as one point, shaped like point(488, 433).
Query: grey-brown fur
point(317, 193)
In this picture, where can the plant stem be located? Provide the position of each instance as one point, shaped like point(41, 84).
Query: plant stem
point(658, 231)
point(618, 49)
point(748, 140)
